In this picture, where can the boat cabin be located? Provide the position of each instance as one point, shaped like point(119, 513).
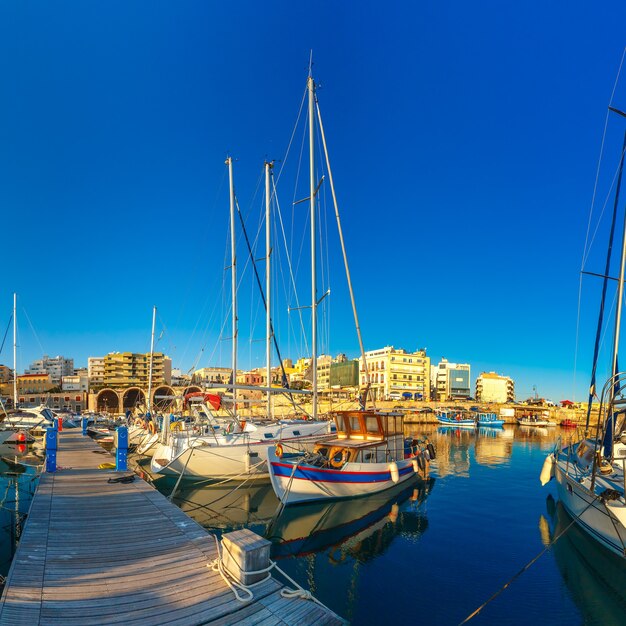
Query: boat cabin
point(363, 437)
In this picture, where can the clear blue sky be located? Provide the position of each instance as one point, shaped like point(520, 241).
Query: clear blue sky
point(464, 139)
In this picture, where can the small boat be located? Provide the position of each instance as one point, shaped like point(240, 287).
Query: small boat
point(534, 420)
point(455, 417)
point(369, 454)
point(488, 419)
point(568, 423)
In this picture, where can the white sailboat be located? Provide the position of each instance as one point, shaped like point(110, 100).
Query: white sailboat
point(591, 473)
point(241, 451)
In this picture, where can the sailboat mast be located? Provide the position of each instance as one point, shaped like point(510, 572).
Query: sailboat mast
point(149, 403)
point(233, 284)
point(311, 88)
point(15, 350)
point(268, 287)
point(620, 297)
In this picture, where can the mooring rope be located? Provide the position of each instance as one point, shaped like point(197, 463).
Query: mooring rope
point(527, 566)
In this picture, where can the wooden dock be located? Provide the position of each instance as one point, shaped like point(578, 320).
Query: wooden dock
point(94, 552)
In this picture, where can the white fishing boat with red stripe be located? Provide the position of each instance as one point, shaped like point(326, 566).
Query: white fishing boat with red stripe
point(369, 454)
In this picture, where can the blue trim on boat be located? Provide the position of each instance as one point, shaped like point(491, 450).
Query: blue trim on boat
point(317, 474)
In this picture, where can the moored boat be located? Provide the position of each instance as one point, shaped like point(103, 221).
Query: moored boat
point(455, 417)
point(368, 455)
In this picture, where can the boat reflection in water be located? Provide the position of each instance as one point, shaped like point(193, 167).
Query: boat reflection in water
point(359, 527)
point(594, 576)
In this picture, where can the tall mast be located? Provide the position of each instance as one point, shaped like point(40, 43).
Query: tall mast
point(268, 287)
point(620, 296)
point(149, 403)
point(15, 350)
point(311, 88)
point(233, 284)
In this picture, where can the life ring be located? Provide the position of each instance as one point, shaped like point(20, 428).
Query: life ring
point(338, 462)
point(279, 450)
point(152, 428)
point(176, 426)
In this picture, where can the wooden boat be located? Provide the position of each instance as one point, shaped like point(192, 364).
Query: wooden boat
point(568, 423)
point(488, 419)
point(368, 455)
point(455, 417)
point(534, 420)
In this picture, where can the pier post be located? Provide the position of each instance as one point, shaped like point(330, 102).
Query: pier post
point(244, 552)
point(121, 448)
point(83, 421)
point(52, 445)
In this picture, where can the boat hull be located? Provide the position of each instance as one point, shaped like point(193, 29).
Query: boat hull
point(294, 483)
point(603, 521)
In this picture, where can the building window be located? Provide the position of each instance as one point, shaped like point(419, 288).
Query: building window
point(382, 378)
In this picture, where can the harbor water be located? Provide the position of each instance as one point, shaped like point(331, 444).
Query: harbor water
point(433, 550)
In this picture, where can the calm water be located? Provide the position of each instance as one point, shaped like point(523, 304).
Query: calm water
point(432, 551)
point(438, 550)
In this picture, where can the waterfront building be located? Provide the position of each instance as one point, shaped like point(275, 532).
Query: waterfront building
point(76, 382)
point(179, 379)
point(6, 374)
point(34, 383)
point(57, 367)
point(206, 375)
point(394, 372)
point(131, 369)
point(450, 381)
point(490, 387)
point(344, 374)
point(95, 371)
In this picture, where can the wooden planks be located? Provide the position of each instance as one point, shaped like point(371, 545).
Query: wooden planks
point(94, 552)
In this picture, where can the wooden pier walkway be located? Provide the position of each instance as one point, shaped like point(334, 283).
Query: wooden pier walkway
point(94, 552)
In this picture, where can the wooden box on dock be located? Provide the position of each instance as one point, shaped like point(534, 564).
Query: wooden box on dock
point(244, 551)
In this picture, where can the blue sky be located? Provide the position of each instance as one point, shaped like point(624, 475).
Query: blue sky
point(464, 141)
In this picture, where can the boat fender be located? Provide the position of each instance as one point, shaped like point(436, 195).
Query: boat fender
point(431, 451)
point(393, 469)
point(393, 514)
point(152, 428)
point(547, 471)
point(421, 462)
point(279, 450)
point(176, 426)
point(415, 466)
point(426, 455)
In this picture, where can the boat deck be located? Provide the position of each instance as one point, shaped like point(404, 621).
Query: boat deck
point(94, 552)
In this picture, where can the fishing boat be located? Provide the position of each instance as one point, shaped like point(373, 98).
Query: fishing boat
point(568, 423)
point(535, 421)
point(455, 417)
point(590, 473)
point(488, 419)
point(368, 455)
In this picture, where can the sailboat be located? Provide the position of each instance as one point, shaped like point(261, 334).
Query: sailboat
point(240, 452)
point(369, 453)
point(591, 473)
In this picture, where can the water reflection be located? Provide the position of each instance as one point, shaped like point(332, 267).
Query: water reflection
point(17, 486)
point(360, 528)
point(595, 577)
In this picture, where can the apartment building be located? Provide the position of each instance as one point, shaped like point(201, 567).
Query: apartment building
point(450, 381)
point(394, 372)
point(491, 387)
point(129, 369)
point(57, 367)
point(95, 371)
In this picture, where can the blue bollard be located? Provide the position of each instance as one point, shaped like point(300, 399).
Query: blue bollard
point(52, 444)
point(121, 445)
point(84, 425)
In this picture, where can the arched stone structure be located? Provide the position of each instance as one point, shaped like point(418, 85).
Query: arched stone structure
point(163, 404)
point(108, 400)
point(133, 398)
point(191, 389)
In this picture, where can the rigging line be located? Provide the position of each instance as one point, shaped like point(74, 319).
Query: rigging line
point(6, 332)
point(33, 329)
point(531, 562)
point(262, 292)
point(289, 265)
point(293, 133)
point(606, 200)
point(595, 185)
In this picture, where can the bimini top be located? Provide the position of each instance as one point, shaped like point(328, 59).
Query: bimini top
point(368, 425)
